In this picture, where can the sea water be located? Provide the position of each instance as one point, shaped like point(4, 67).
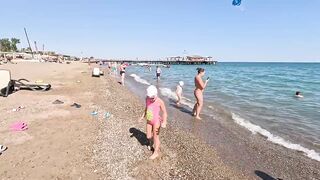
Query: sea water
point(260, 97)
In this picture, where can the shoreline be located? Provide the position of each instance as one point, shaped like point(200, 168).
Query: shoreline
point(283, 119)
point(241, 149)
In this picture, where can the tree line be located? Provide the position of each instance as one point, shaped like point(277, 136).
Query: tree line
point(9, 45)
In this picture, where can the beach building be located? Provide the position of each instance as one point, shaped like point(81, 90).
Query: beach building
point(193, 59)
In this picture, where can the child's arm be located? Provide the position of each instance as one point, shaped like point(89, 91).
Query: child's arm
point(144, 114)
point(164, 114)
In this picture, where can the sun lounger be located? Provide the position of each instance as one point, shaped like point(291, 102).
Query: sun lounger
point(8, 85)
point(24, 84)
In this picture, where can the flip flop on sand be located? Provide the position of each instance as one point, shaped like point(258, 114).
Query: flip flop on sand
point(18, 109)
point(76, 105)
point(107, 115)
point(94, 113)
point(2, 148)
point(19, 126)
point(57, 102)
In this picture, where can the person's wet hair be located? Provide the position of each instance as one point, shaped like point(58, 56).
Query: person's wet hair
point(297, 93)
point(200, 70)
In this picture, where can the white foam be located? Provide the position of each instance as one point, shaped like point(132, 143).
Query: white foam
point(139, 79)
point(189, 104)
point(172, 95)
point(184, 98)
point(168, 93)
point(275, 139)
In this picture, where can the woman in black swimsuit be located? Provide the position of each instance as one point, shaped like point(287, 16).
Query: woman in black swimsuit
point(122, 72)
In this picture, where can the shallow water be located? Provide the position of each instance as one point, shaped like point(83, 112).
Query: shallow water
point(259, 96)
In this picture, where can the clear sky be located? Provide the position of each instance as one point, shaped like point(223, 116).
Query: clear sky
point(269, 30)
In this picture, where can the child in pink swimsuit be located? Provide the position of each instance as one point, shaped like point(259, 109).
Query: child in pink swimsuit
point(154, 121)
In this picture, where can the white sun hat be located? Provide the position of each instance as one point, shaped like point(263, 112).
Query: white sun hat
point(181, 83)
point(152, 91)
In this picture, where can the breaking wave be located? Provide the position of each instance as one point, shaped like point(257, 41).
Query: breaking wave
point(139, 79)
point(275, 139)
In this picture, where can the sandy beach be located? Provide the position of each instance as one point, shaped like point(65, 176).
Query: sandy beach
point(64, 142)
point(58, 141)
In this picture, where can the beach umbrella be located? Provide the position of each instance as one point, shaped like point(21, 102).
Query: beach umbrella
point(236, 2)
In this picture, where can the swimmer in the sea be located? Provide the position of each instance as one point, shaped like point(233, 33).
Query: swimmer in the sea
point(198, 92)
point(158, 72)
point(298, 94)
point(179, 92)
point(154, 120)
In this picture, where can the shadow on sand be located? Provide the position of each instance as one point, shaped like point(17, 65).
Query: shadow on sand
point(181, 108)
point(139, 135)
point(265, 176)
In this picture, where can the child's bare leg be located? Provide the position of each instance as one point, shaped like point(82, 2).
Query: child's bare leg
point(149, 136)
point(179, 98)
point(156, 139)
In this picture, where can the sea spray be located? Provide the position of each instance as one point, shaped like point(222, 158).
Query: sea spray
point(173, 96)
point(139, 79)
point(168, 93)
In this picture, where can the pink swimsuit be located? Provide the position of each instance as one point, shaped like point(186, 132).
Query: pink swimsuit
point(153, 110)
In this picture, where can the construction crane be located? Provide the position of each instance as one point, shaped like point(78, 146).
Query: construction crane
point(35, 45)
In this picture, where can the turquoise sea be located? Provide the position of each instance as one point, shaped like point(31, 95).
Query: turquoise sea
point(259, 96)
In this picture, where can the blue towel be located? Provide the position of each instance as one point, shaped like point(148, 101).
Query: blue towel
point(236, 2)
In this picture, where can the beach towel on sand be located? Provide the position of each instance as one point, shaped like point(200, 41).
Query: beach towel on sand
point(19, 126)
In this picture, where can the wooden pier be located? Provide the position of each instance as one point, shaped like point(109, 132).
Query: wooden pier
point(175, 60)
point(150, 62)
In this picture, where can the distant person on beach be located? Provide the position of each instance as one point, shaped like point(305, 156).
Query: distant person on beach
point(158, 72)
point(154, 121)
point(122, 72)
point(198, 92)
point(179, 92)
point(114, 68)
point(298, 94)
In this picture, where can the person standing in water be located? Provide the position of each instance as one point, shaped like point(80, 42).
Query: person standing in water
point(158, 71)
point(179, 92)
point(198, 92)
point(154, 121)
point(122, 72)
